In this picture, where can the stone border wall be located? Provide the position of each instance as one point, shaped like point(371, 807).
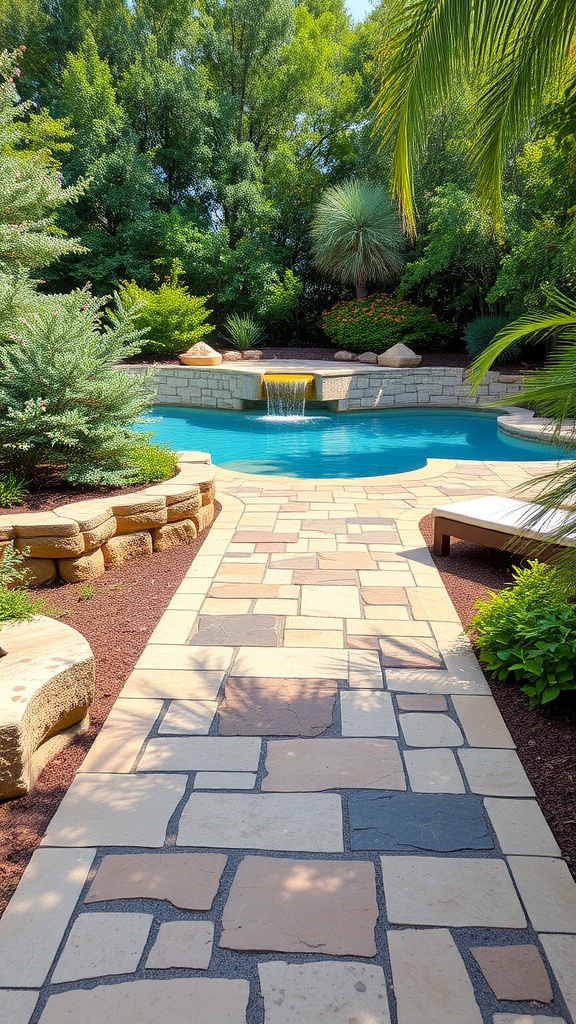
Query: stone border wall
point(79, 540)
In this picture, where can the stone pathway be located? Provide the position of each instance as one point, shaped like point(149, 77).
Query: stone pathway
point(305, 805)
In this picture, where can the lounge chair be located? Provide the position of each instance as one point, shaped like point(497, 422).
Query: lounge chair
point(503, 523)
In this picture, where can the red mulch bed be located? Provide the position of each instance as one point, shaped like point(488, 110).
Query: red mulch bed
point(546, 738)
point(128, 602)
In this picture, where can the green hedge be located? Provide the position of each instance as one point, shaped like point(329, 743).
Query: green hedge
point(376, 322)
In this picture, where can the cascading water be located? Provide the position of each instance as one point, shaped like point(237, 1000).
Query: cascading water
point(286, 397)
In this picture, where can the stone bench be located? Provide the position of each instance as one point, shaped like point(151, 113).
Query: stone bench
point(46, 686)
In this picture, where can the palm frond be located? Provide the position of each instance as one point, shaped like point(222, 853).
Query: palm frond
point(532, 327)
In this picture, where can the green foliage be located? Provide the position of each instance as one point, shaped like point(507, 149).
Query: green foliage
point(279, 306)
point(150, 463)
point(13, 489)
point(480, 332)
point(244, 332)
point(16, 604)
point(375, 323)
point(63, 401)
point(527, 633)
point(170, 319)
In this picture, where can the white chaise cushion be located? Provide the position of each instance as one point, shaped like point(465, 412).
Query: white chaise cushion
point(508, 515)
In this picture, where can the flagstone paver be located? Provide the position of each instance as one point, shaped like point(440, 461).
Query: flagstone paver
point(310, 647)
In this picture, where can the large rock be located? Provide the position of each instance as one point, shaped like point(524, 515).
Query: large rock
point(200, 354)
point(47, 685)
point(345, 357)
point(44, 524)
point(203, 517)
point(141, 521)
point(184, 509)
point(83, 569)
point(252, 353)
point(174, 534)
point(42, 571)
point(99, 535)
point(128, 546)
point(55, 546)
point(232, 356)
point(368, 357)
point(399, 355)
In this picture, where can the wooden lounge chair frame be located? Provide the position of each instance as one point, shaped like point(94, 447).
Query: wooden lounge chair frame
point(446, 528)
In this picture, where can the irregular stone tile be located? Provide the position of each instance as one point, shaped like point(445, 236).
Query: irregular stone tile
point(383, 628)
point(384, 595)
point(294, 562)
point(101, 944)
point(255, 706)
point(410, 652)
point(237, 630)
point(482, 722)
point(288, 663)
point(122, 736)
point(339, 601)
point(345, 560)
point(433, 770)
point(323, 993)
point(200, 753)
point(430, 980)
point(187, 880)
point(302, 906)
point(226, 606)
point(335, 526)
point(241, 572)
point(525, 1018)
point(451, 892)
point(325, 577)
point(422, 702)
point(414, 821)
point(148, 1002)
point(311, 765)
point(561, 953)
point(264, 537)
point(365, 671)
point(269, 548)
point(363, 643)
point(432, 603)
point(436, 681)
point(17, 1007)
point(188, 717)
point(495, 772)
point(514, 972)
point(116, 810)
point(521, 827)
point(177, 657)
point(166, 684)
point(182, 944)
point(390, 613)
point(37, 916)
point(548, 892)
point(242, 590)
point(422, 729)
point(275, 606)
point(225, 780)
point(307, 822)
point(313, 638)
point(367, 713)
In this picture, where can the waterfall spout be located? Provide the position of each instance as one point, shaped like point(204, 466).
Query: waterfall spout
point(286, 396)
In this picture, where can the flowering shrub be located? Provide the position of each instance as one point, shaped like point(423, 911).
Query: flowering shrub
point(377, 322)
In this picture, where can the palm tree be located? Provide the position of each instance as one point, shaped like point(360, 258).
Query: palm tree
point(356, 235)
point(517, 49)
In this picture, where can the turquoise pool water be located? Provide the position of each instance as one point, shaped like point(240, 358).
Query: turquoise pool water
point(323, 445)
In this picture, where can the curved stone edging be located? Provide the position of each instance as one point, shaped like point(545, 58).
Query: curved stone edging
point(525, 424)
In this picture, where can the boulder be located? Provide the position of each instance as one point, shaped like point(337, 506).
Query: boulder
point(368, 357)
point(42, 571)
point(252, 353)
point(141, 521)
point(200, 354)
point(88, 514)
point(44, 524)
point(99, 535)
point(125, 548)
point(203, 517)
point(83, 569)
point(51, 546)
point(174, 534)
point(232, 356)
point(7, 531)
point(399, 355)
point(345, 357)
point(179, 510)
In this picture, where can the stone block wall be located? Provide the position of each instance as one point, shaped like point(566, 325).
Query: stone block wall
point(205, 387)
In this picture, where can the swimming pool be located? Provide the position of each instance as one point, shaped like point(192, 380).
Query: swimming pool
point(323, 444)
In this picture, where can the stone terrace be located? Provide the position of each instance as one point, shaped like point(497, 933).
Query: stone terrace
point(305, 804)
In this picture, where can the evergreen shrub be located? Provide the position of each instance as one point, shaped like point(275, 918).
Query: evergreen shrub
point(481, 331)
point(170, 319)
point(151, 463)
point(376, 322)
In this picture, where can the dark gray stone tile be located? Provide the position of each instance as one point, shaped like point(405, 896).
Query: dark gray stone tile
point(417, 821)
point(238, 631)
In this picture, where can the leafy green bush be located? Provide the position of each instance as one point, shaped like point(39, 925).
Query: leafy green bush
point(12, 489)
point(377, 322)
point(527, 633)
point(480, 332)
point(152, 462)
point(16, 604)
point(243, 330)
point(170, 319)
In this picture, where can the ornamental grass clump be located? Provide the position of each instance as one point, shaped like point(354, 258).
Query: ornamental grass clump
point(527, 632)
point(375, 323)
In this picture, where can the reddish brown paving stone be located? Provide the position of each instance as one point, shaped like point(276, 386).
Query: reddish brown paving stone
point(514, 972)
point(384, 595)
point(241, 572)
point(363, 643)
point(309, 766)
point(237, 631)
point(422, 702)
point(294, 562)
point(263, 537)
point(189, 881)
point(254, 706)
point(240, 590)
point(324, 577)
point(302, 906)
point(270, 548)
point(410, 652)
point(346, 560)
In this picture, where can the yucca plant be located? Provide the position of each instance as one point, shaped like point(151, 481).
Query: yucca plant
point(356, 237)
point(243, 330)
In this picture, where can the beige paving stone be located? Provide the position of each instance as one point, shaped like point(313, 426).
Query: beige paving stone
point(514, 972)
point(279, 576)
point(188, 718)
point(314, 638)
point(226, 606)
point(180, 658)
point(168, 684)
point(548, 892)
point(17, 1007)
point(382, 627)
point(323, 601)
point(384, 595)
point(230, 591)
point(302, 906)
point(433, 771)
point(185, 602)
point(324, 992)
point(195, 585)
point(204, 565)
point(408, 680)
point(215, 1001)
point(284, 663)
point(122, 736)
point(423, 729)
point(365, 671)
point(495, 772)
point(309, 622)
point(386, 613)
point(432, 603)
point(367, 713)
point(116, 810)
point(345, 560)
point(409, 652)
point(561, 953)
point(37, 916)
point(101, 944)
point(182, 944)
point(306, 822)
point(386, 578)
point(451, 892)
point(275, 606)
point(312, 765)
point(525, 1018)
point(201, 753)
point(225, 780)
point(521, 827)
point(430, 979)
point(241, 572)
point(189, 881)
point(482, 722)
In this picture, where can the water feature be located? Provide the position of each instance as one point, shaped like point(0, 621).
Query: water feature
point(286, 395)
